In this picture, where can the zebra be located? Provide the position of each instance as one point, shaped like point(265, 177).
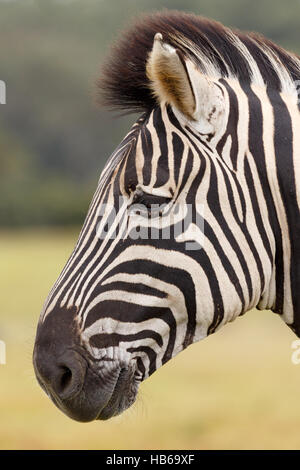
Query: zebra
point(217, 145)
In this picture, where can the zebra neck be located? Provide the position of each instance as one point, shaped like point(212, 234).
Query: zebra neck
point(282, 177)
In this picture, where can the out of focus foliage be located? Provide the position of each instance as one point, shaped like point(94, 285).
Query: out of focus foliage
point(53, 139)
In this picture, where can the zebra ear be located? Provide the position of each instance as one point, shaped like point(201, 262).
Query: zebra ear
point(175, 80)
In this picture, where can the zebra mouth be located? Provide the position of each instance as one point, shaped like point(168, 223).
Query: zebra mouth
point(123, 395)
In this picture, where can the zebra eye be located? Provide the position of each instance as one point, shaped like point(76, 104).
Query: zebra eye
point(140, 197)
point(143, 202)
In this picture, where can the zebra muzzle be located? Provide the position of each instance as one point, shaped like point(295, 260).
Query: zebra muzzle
point(82, 391)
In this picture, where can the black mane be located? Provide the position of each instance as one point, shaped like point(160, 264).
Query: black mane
point(124, 85)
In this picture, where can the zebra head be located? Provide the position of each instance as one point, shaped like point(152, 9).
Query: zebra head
point(177, 241)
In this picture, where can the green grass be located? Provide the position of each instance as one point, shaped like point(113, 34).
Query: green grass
point(238, 389)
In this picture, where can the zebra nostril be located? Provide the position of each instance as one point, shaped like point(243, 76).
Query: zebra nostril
point(65, 381)
point(62, 376)
point(68, 376)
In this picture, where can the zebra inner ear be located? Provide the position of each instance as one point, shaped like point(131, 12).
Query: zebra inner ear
point(169, 79)
point(175, 80)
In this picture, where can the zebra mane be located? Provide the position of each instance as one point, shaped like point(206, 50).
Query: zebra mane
point(217, 51)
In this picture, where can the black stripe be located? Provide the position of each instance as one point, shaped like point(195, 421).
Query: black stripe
point(147, 148)
point(162, 172)
point(129, 286)
point(106, 340)
point(257, 210)
point(178, 149)
point(231, 129)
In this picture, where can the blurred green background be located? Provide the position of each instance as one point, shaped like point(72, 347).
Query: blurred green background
point(238, 388)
